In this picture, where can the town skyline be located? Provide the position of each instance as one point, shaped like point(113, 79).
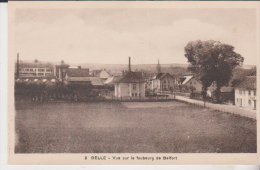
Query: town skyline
point(144, 34)
point(75, 64)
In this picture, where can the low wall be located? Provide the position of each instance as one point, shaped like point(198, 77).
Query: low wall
point(221, 107)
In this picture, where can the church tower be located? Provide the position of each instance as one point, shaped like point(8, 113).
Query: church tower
point(158, 67)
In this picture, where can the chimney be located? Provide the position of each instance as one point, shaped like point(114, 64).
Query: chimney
point(17, 66)
point(129, 64)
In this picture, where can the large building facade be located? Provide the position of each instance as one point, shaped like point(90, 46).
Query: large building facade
point(35, 70)
point(245, 93)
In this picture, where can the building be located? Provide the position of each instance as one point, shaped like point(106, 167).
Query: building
point(162, 82)
point(130, 85)
point(226, 93)
point(80, 76)
point(61, 70)
point(77, 76)
point(103, 74)
point(36, 69)
point(81, 84)
point(245, 93)
point(111, 81)
point(191, 83)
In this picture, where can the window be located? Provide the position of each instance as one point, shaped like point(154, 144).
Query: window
point(249, 92)
point(164, 86)
point(254, 92)
point(41, 69)
point(134, 94)
point(249, 102)
point(134, 86)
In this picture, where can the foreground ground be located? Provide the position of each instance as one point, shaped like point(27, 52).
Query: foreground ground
point(171, 127)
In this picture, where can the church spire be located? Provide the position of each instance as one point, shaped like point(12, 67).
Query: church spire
point(158, 67)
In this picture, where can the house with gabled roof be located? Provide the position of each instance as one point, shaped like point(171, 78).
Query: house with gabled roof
point(130, 85)
point(162, 82)
point(77, 76)
point(102, 74)
point(191, 82)
point(245, 93)
point(81, 76)
point(82, 84)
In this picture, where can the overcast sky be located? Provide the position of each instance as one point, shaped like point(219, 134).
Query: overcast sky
point(111, 35)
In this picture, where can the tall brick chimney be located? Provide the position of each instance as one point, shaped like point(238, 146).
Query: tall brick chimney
point(17, 66)
point(129, 64)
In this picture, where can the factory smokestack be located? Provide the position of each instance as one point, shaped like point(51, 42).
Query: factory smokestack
point(17, 66)
point(129, 64)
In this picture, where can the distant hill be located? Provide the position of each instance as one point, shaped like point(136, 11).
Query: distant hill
point(150, 69)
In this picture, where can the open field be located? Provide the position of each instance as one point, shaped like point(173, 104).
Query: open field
point(121, 128)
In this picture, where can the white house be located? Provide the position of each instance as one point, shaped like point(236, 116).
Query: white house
point(245, 93)
point(130, 85)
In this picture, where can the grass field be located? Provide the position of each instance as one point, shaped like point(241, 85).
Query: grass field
point(116, 128)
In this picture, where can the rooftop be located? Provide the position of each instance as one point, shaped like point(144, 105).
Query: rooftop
point(161, 75)
point(111, 80)
point(187, 79)
point(132, 77)
point(249, 82)
point(35, 65)
point(95, 81)
point(78, 72)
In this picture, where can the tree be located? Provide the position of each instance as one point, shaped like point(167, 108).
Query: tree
point(212, 61)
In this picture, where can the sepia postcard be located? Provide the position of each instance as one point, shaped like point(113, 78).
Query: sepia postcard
point(133, 82)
